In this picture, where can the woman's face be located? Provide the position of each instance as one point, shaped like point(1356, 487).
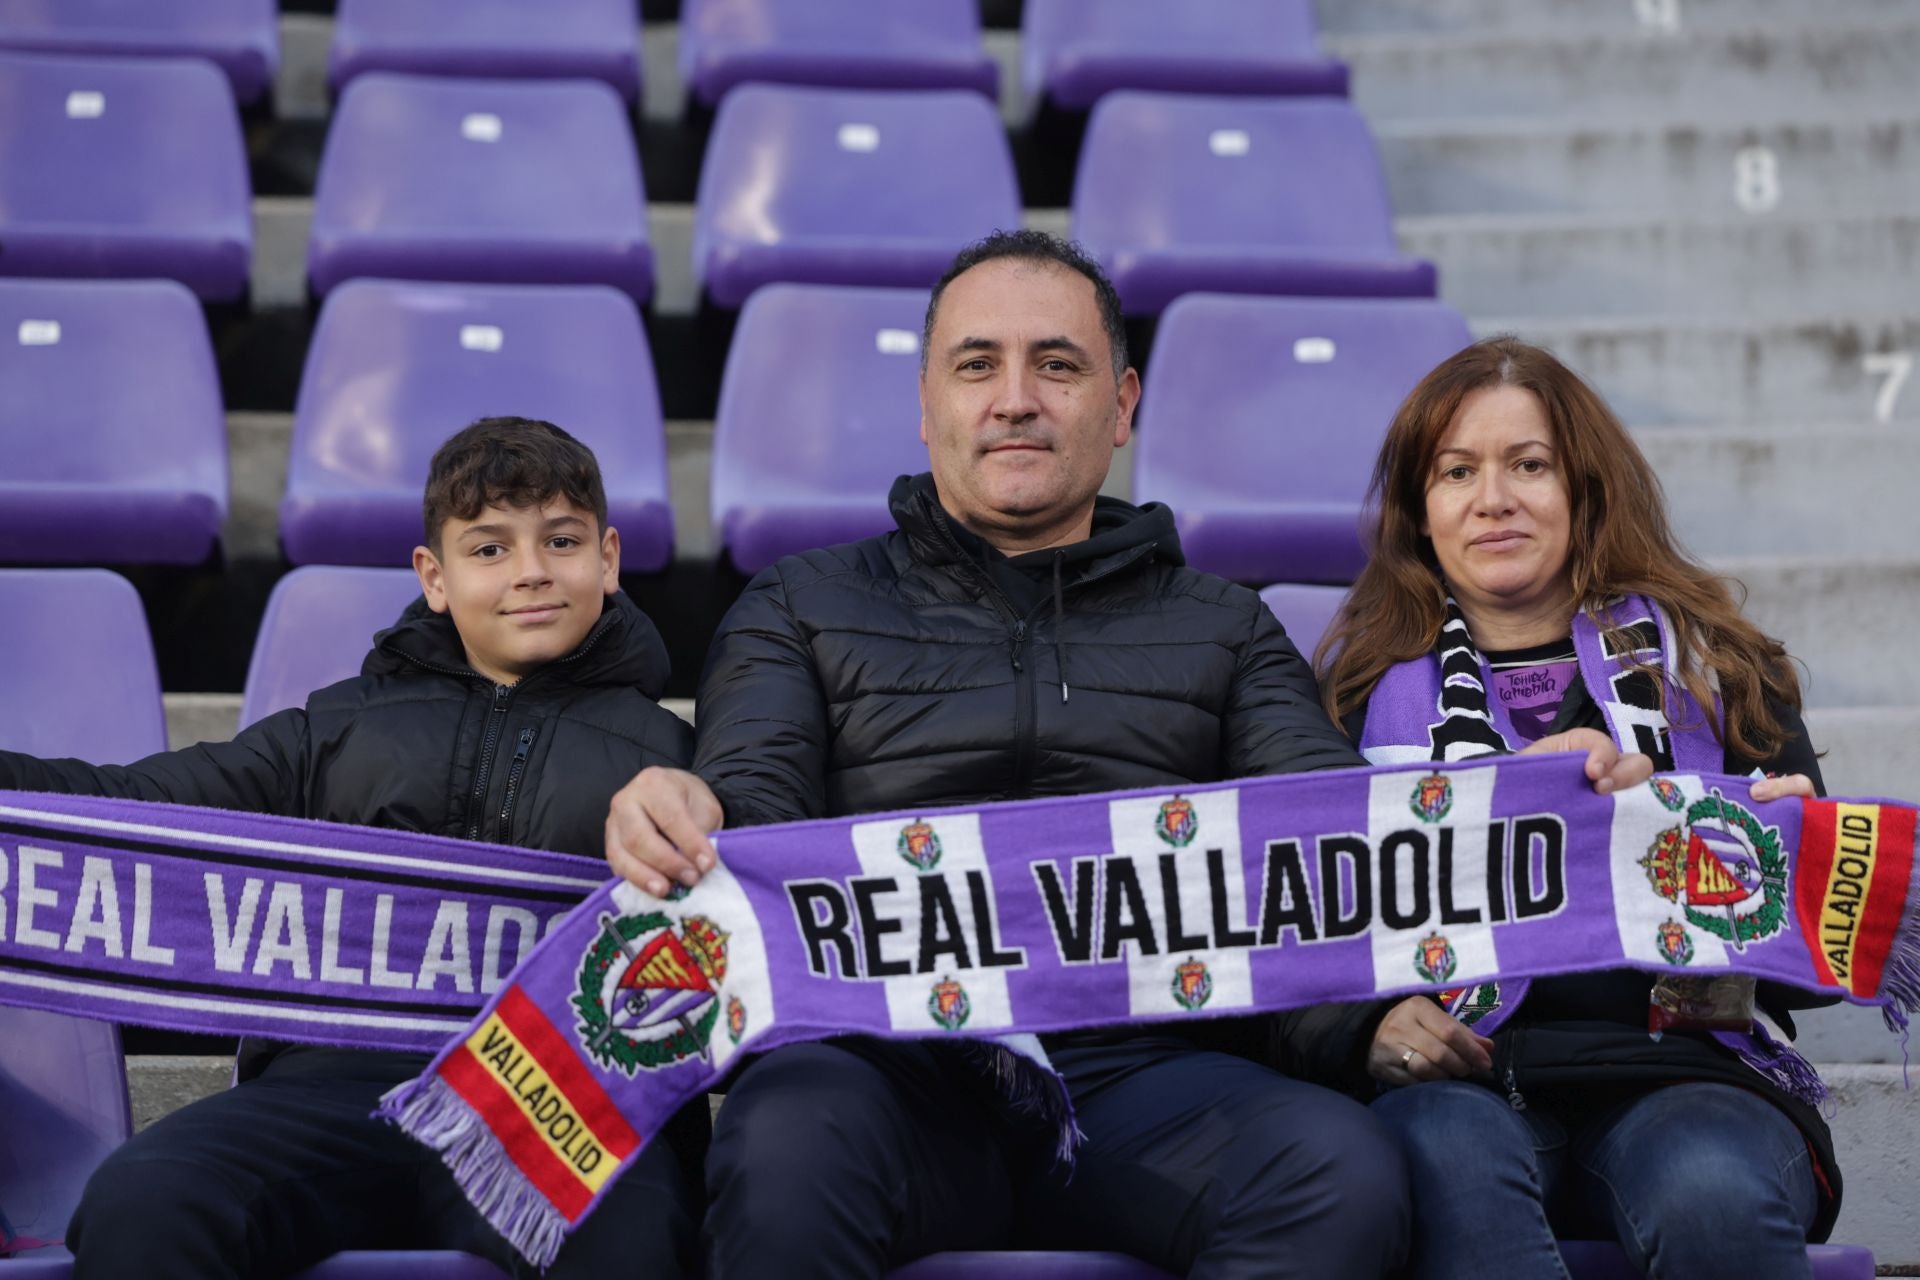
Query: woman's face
point(1497, 510)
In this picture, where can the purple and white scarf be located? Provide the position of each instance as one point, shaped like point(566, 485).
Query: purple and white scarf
point(1439, 708)
point(991, 924)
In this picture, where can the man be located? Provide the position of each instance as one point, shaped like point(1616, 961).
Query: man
point(1017, 636)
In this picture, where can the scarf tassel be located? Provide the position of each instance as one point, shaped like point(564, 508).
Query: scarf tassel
point(1030, 1088)
point(1782, 1064)
point(430, 1111)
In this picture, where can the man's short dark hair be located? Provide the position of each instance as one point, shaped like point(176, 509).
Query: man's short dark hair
point(513, 462)
point(1037, 246)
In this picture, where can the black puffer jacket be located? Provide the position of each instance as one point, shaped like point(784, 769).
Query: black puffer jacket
point(419, 741)
point(923, 668)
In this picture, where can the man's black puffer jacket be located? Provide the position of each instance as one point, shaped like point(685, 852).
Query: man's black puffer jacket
point(922, 668)
point(419, 741)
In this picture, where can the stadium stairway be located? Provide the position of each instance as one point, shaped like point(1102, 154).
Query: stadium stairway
point(1707, 206)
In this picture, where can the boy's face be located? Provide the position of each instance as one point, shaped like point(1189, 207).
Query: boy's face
point(524, 584)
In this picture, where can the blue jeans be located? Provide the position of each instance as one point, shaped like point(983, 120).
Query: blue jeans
point(1693, 1180)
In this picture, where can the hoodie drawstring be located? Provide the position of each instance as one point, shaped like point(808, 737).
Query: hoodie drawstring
point(1059, 623)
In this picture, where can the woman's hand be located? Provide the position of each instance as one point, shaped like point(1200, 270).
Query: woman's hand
point(1418, 1040)
point(1608, 768)
point(1792, 784)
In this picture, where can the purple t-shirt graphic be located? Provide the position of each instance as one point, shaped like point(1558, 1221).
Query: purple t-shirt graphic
point(1531, 682)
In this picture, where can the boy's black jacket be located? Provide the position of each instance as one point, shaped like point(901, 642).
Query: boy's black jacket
point(419, 741)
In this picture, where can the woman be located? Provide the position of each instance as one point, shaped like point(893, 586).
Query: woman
point(1524, 583)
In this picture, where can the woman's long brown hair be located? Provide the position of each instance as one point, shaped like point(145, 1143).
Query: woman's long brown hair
point(1621, 543)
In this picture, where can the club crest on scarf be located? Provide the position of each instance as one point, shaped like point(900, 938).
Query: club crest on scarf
point(919, 844)
point(649, 997)
point(1432, 798)
point(948, 1005)
point(736, 1019)
point(1675, 946)
point(1724, 868)
point(1434, 959)
point(1668, 793)
point(1192, 984)
point(1177, 824)
point(1470, 1004)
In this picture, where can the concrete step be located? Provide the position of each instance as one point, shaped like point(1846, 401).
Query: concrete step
point(1794, 166)
point(1827, 491)
point(1725, 74)
point(1767, 374)
point(1649, 17)
point(1675, 268)
point(1847, 620)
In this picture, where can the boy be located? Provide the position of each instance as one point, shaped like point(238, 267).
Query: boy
point(508, 706)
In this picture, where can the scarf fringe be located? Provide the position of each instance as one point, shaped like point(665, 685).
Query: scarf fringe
point(431, 1112)
point(1780, 1063)
point(1031, 1088)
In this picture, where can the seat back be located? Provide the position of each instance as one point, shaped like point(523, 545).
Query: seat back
point(929, 44)
point(77, 674)
point(491, 181)
point(319, 624)
point(1178, 193)
point(242, 36)
point(845, 186)
point(395, 368)
point(510, 39)
point(819, 412)
point(111, 423)
point(63, 1108)
point(1304, 610)
point(1073, 51)
point(123, 168)
point(1260, 424)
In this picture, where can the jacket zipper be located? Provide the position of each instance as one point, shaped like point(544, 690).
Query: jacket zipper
point(1025, 729)
point(520, 751)
point(496, 717)
point(1515, 1099)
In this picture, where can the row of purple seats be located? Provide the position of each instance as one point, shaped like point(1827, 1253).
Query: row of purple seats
point(509, 39)
point(529, 182)
point(241, 36)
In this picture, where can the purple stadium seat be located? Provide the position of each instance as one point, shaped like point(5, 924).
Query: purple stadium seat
point(111, 423)
point(496, 181)
point(847, 186)
point(1177, 194)
point(122, 167)
point(77, 675)
point(511, 39)
point(1596, 1260)
point(852, 44)
point(1029, 1266)
point(1262, 417)
point(819, 411)
point(319, 624)
point(377, 1264)
point(1305, 611)
point(1073, 51)
point(63, 1107)
point(394, 369)
point(242, 36)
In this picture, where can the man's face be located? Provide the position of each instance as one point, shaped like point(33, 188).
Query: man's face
point(524, 584)
point(1019, 407)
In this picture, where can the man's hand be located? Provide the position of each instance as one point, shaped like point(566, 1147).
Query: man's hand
point(1792, 784)
point(657, 830)
point(1418, 1040)
point(1608, 768)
